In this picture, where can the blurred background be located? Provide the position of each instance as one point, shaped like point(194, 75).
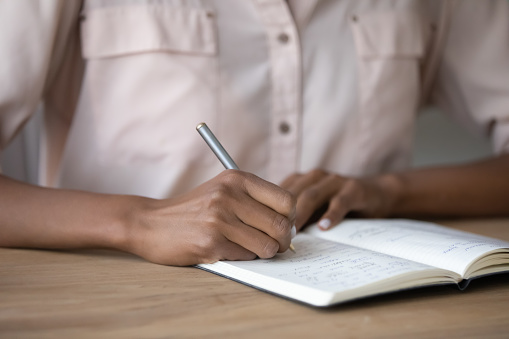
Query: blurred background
point(439, 141)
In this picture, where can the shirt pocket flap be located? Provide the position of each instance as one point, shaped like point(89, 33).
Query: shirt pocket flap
point(389, 34)
point(115, 31)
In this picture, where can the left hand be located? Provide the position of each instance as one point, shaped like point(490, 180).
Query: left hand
point(369, 197)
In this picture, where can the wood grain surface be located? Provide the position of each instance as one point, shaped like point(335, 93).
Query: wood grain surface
point(106, 294)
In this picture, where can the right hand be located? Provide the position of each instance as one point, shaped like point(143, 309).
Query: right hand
point(234, 216)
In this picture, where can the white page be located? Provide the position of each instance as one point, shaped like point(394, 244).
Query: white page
point(424, 242)
point(321, 265)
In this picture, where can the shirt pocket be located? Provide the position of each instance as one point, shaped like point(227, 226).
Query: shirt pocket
point(390, 47)
point(151, 77)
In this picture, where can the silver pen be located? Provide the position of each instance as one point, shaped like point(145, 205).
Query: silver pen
point(219, 151)
point(216, 146)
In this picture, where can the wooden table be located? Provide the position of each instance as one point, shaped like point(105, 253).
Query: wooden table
point(104, 294)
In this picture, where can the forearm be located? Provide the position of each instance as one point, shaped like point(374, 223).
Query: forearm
point(234, 216)
point(477, 189)
point(39, 217)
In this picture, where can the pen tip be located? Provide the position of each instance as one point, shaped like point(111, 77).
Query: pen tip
point(200, 125)
point(292, 248)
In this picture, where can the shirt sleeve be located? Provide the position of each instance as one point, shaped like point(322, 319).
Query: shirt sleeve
point(472, 81)
point(28, 31)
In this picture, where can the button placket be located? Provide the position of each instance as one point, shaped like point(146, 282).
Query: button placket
point(285, 61)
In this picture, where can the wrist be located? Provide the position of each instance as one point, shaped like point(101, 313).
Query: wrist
point(392, 190)
point(124, 223)
point(134, 222)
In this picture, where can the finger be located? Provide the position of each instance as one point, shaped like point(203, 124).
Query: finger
point(266, 220)
point(270, 195)
point(208, 247)
point(300, 182)
point(220, 249)
point(270, 223)
point(233, 251)
point(289, 181)
point(251, 239)
point(348, 199)
point(315, 196)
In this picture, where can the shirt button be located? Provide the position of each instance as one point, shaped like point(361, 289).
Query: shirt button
point(283, 38)
point(284, 127)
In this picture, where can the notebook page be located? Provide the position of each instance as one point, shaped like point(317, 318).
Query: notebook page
point(424, 242)
point(321, 265)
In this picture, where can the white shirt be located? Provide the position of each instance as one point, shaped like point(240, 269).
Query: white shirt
point(286, 87)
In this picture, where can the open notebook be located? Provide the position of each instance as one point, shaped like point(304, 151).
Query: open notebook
point(360, 258)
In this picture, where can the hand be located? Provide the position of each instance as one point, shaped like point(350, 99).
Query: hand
point(369, 197)
point(235, 216)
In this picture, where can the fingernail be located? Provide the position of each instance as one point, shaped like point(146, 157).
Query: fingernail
point(324, 224)
point(294, 231)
